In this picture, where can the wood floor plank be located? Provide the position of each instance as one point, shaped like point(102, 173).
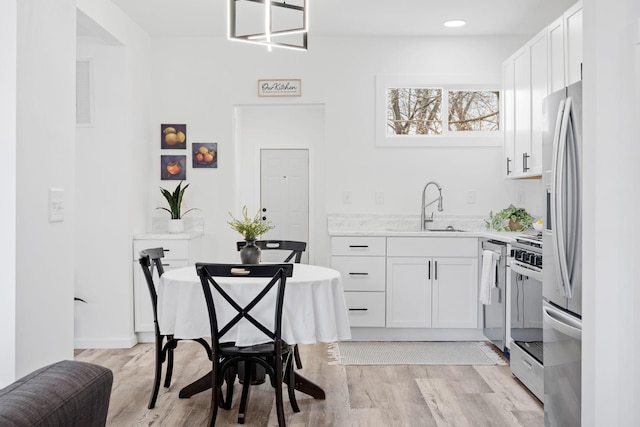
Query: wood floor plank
point(367, 396)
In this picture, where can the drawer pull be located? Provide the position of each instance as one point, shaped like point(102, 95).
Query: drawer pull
point(166, 250)
point(166, 265)
point(358, 309)
point(527, 364)
point(358, 246)
point(358, 274)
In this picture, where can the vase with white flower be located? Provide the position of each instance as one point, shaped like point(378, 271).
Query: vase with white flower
point(250, 228)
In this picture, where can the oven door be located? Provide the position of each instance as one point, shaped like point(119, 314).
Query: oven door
point(525, 311)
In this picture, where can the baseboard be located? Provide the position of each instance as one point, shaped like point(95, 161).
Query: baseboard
point(82, 343)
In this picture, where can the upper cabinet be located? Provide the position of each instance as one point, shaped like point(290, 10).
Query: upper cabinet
point(524, 88)
point(547, 63)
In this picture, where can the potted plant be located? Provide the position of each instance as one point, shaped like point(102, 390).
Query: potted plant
point(510, 219)
point(250, 228)
point(175, 205)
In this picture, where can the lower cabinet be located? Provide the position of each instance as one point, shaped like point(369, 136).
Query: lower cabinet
point(409, 282)
point(432, 292)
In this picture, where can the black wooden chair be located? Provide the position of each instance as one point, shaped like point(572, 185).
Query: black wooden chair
point(276, 356)
point(296, 249)
point(151, 259)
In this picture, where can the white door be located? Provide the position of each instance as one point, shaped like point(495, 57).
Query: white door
point(284, 196)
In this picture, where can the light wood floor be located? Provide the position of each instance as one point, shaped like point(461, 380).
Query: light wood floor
point(356, 395)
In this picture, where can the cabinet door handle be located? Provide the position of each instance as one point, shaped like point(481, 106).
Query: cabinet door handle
point(358, 274)
point(358, 246)
point(435, 270)
point(358, 309)
point(429, 271)
point(166, 265)
point(525, 162)
point(508, 168)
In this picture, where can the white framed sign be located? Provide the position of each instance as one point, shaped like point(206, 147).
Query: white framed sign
point(279, 87)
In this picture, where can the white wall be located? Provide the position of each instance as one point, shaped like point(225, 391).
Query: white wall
point(8, 45)
point(198, 81)
point(611, 338)
point(112, 170)
point(45, 117)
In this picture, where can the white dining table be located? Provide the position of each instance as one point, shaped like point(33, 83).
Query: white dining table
point(314, 306)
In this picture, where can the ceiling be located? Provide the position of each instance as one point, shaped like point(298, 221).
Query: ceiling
point(358, 17)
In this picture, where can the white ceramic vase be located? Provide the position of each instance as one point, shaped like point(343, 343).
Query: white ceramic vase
point(175, 226)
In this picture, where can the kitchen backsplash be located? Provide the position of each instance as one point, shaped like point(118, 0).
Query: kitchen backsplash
point(373, 222)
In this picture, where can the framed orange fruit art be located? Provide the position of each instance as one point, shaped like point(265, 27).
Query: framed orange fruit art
point(173, 167)
point(204, 154)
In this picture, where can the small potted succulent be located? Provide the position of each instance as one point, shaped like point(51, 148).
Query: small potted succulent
point(509, 219)
point(250, 228)
point(175, 207)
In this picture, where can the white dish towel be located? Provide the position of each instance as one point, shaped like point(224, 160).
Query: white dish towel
point(488, 278)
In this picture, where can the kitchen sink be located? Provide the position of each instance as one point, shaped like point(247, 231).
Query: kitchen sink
point(449, 228)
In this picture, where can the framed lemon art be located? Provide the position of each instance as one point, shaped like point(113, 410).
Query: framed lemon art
point(173, 137)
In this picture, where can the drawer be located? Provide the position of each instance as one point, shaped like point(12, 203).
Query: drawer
point(432, 246)
point(528, 370)
point(366, 273)
point(366, 309)
point(358, 245)
point(173, 248)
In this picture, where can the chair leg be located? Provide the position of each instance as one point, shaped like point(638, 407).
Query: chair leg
point(229, 378)
point(289, 378)
point(215, 395)
point(246, 387)
point(158, 372)
point(279, 400)
point(169, 374)
point(296, 354)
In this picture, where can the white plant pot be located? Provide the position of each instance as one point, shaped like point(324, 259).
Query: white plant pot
point(175, 226)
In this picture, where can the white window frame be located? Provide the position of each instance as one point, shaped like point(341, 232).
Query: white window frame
point(447, 138)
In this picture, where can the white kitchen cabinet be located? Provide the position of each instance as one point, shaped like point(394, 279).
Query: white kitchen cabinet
point(180, 250)
point(565, 37)
point(361, 263)
point(432, 282)
point(525, 86)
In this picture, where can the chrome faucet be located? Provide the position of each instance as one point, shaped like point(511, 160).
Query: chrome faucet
point(423, 218)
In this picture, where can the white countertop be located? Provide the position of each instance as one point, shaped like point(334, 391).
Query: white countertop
point(408, 226)
point(167, 236)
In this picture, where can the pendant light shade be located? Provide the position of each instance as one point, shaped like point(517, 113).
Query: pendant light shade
point(282, 24)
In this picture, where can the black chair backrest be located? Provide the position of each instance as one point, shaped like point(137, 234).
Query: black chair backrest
point(277, 273)
point(295, 247)
point(150, 259)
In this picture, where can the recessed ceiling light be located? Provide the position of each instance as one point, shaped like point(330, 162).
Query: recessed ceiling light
point(455, 23)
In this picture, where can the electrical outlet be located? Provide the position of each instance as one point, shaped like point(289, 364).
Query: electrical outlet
point(379, 198)
point(56, 205)
point(471, 197)
point(346, 197)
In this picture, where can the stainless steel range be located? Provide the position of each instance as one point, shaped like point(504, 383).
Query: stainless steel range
point(525, 326)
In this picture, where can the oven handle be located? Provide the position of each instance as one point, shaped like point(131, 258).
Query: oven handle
point(562, 322)
point(516, 267)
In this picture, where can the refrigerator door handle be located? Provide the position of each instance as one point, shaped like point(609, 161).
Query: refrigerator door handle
point(575, 194)
point(562, 322)
point(558, 202)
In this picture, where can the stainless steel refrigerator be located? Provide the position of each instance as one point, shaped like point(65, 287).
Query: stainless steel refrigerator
point(562, 256)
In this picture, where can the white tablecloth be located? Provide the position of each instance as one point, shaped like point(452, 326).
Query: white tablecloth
point(314, 306)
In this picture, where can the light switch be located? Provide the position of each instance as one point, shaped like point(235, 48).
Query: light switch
point(56, 205)
point(346, 197)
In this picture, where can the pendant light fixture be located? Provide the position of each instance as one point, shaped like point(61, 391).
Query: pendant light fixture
point(271, 23)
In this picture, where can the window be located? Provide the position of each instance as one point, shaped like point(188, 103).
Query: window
point(436, 115)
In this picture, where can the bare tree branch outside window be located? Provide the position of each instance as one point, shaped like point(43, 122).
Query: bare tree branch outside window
point(414, 111)
point(474, 110)
point(417, 111)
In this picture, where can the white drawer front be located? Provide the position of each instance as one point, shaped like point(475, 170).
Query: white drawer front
point(173, 249)
point(360, 273)
point(432, 246)
point(358, 245)
point(366, 309)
